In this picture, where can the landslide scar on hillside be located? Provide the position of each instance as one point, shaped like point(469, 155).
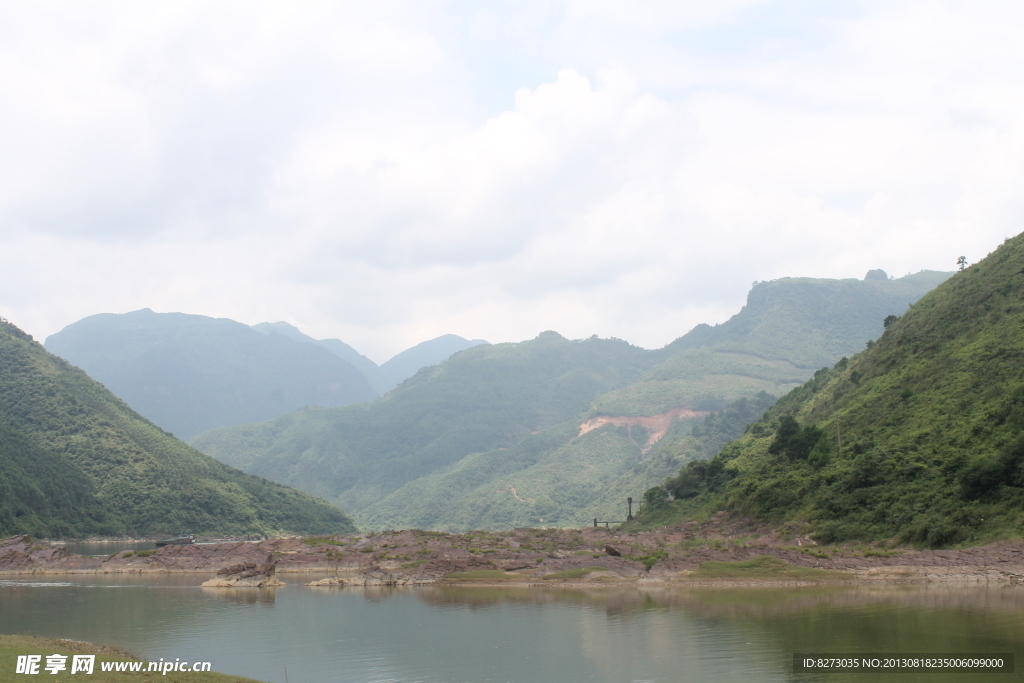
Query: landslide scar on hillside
point(656, 425)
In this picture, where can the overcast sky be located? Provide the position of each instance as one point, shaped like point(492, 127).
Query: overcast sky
point(387, 172)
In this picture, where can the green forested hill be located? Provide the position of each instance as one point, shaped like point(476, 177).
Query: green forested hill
point(555, 477)
point(788, 329)
point(920, 436)
point(404, 365)
point(484, 398)
point(494, 437)
point(75, 460)
point(44, 494)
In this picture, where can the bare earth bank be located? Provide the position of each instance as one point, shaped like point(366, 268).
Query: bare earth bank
point(718, 552)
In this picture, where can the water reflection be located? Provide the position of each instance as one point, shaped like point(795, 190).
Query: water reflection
point(521, 634)
point(245, 596)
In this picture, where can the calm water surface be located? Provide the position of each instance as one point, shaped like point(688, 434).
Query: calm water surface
point(479, 635)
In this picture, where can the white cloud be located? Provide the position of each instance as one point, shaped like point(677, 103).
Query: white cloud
point(389, 172)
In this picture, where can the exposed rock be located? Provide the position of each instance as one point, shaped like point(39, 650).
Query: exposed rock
point(414, 557)
point(329, 581)
point(245, 575)
point(23, 554)
point(376, 576)
point(515, 565)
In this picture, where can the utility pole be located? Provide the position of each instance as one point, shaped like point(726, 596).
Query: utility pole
point(629, 517)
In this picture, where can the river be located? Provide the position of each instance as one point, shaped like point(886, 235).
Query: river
point(520, 635)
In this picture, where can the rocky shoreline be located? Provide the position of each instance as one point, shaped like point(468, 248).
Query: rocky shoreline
point(711, 554)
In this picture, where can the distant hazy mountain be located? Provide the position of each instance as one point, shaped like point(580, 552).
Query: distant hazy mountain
point(370, 370)
point(408, 362)
point(553, 431)
point(382, 378)
point(191, 373)
point(76, 461)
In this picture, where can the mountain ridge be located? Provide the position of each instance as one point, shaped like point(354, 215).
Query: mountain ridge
point(918, 437)
point(336, 454)
point(190, 373)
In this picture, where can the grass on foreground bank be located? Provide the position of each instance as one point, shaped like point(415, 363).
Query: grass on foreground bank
point(12, 646)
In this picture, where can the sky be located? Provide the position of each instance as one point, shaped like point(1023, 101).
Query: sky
point(388, 172)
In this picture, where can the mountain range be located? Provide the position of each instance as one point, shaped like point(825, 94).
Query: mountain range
point(556, 431)
point(385, 377)
point(191, 373)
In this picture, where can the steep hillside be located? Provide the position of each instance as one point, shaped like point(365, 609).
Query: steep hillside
point(920, 436)
point(75, 460)
point(191, 373)
point(558, 477)
point(44, 494)
point(788, 329)
point(483, 398)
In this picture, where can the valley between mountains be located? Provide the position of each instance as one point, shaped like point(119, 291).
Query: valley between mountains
point(545, 432)
point(571, 426)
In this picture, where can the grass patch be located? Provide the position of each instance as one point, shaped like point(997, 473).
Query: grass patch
point(321, 540)
point(651, 559)
point(413, 564)
point(763, 567)
point(648, 560)
point(480, 575)
point(12, 646)
point(570, 574)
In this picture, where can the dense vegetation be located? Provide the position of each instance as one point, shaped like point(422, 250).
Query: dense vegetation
point(556, 478)
point(491, 438)
point(919, 437)
point(404, 365)
point(75, 460)
point(789, 328)
point(191, 373)
point(44, 494)
point(484, 398)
